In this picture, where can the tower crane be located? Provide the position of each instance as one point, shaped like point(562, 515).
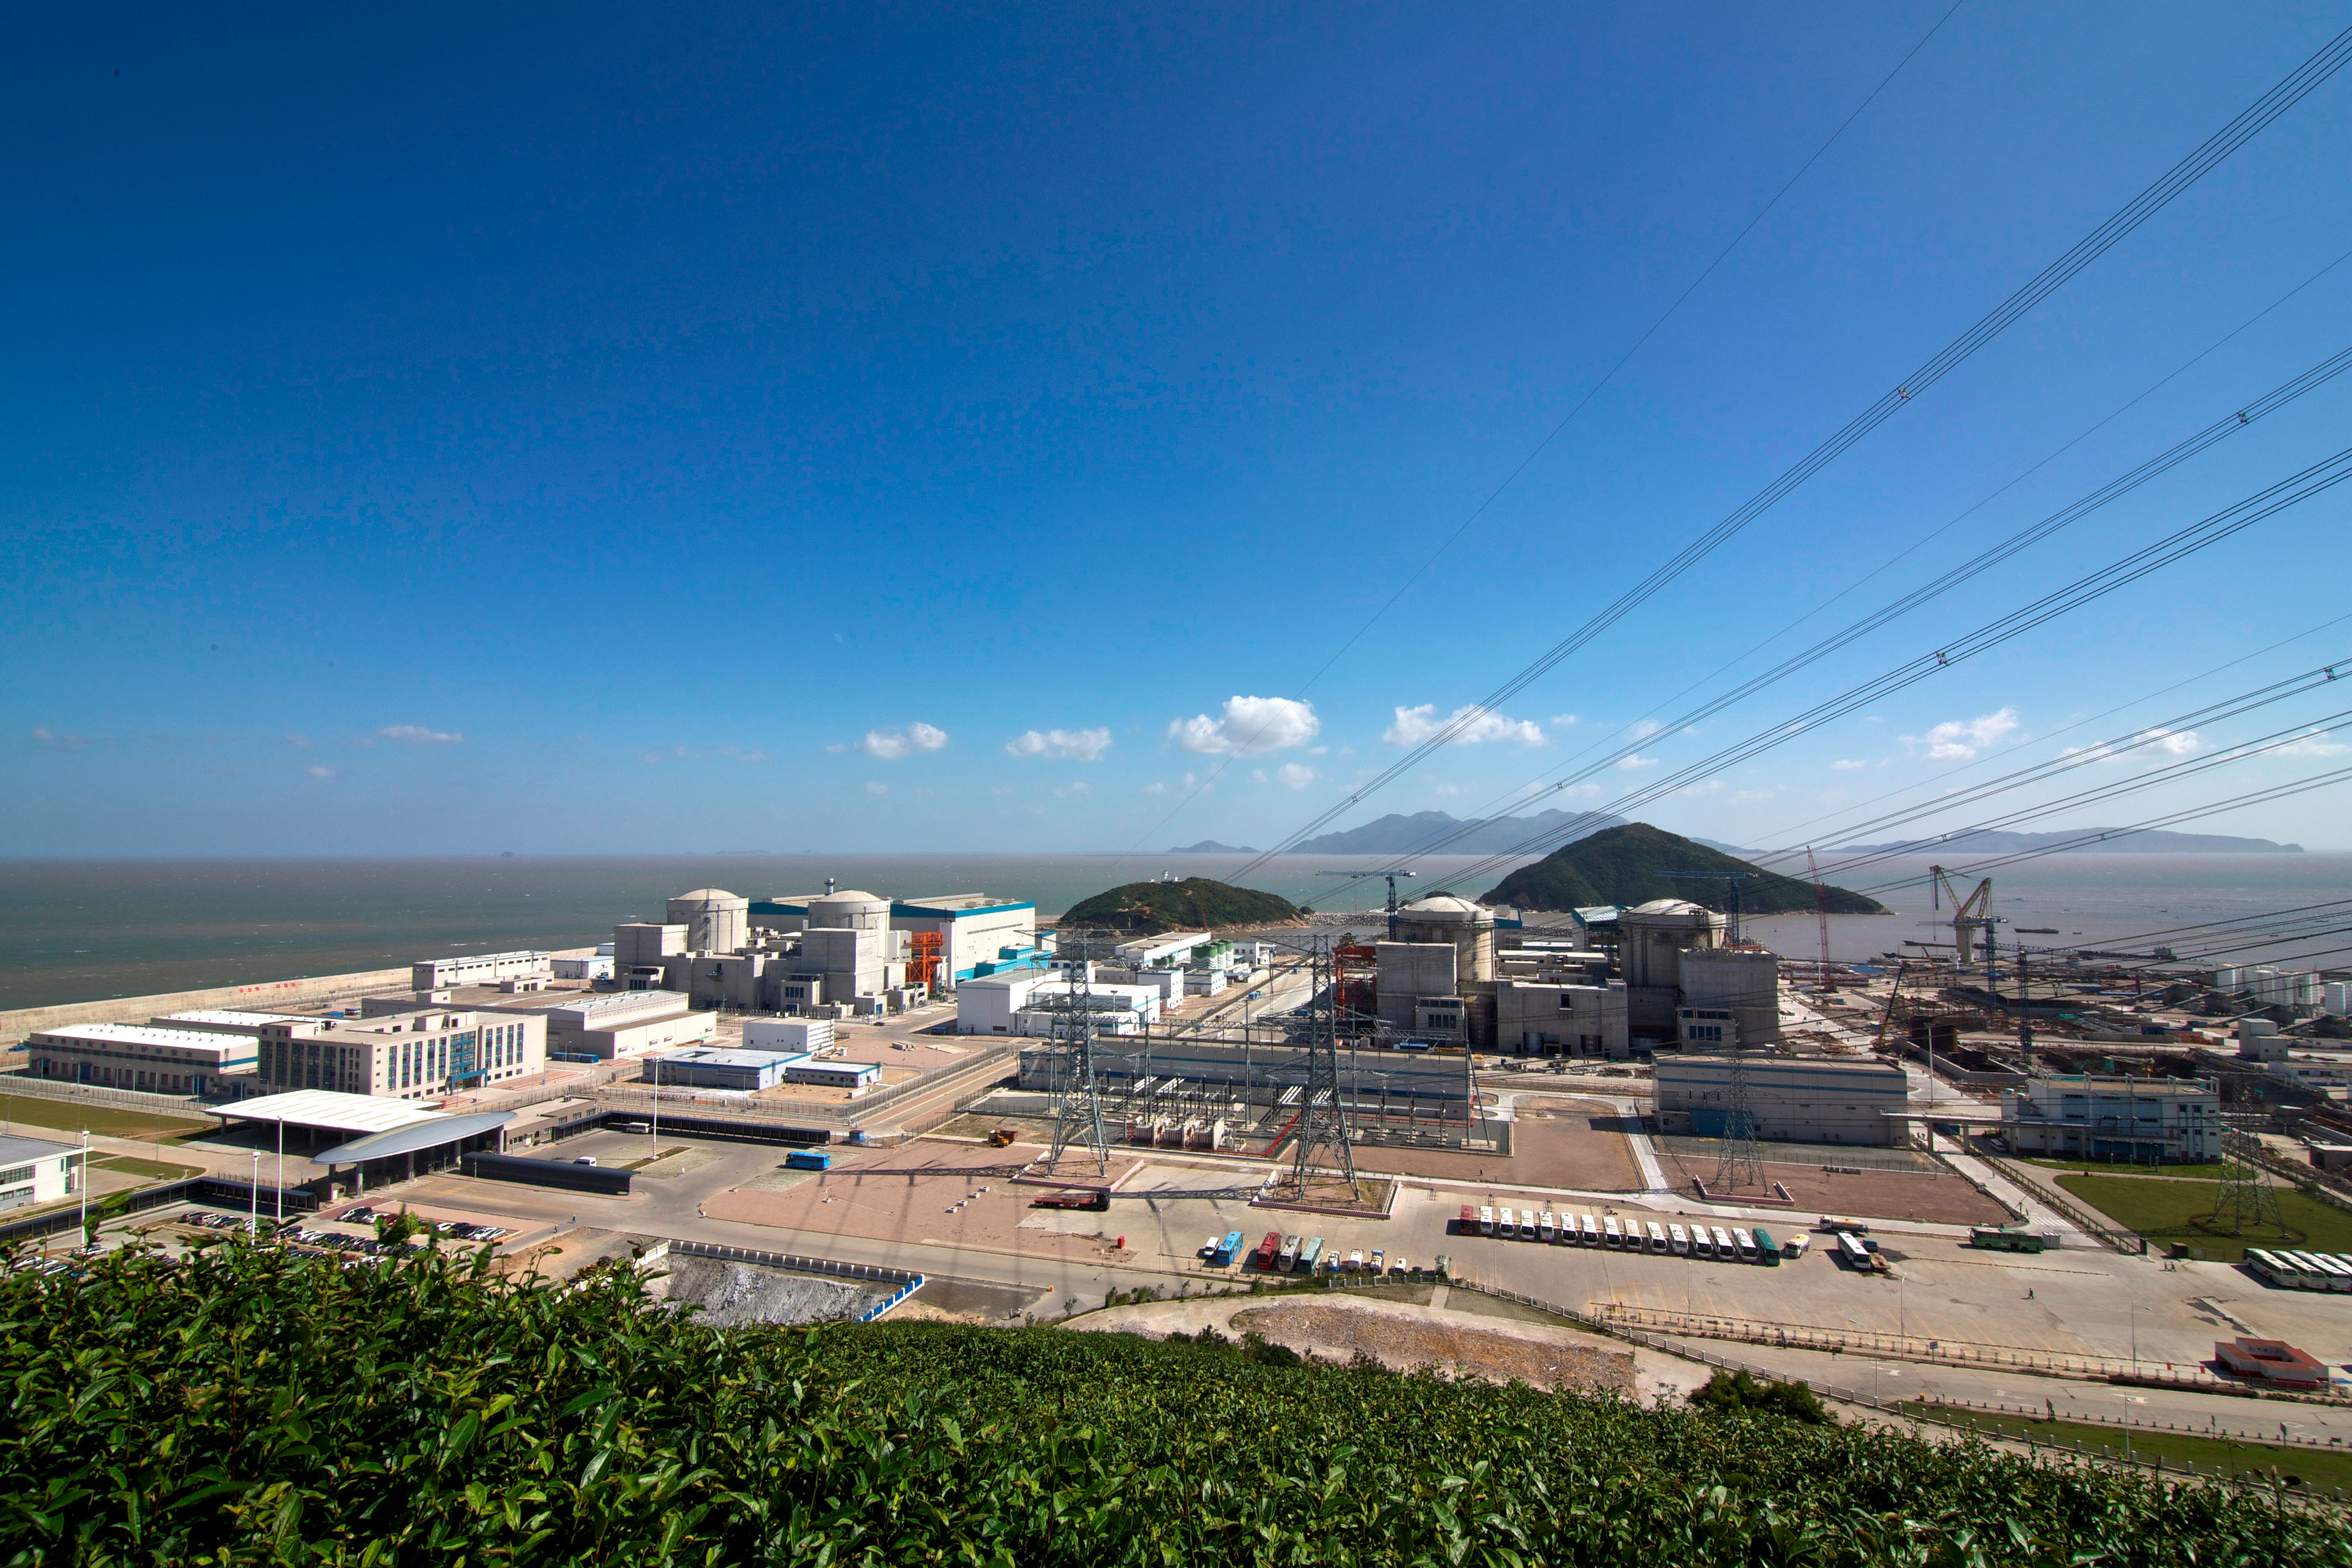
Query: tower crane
point(1391, 875)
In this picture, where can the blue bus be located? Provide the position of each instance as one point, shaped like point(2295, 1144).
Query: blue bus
point(1226, 1251)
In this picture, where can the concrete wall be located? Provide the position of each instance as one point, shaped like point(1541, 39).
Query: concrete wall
point(1793, 1098)
point(1544, 1019)
point(1746, 981)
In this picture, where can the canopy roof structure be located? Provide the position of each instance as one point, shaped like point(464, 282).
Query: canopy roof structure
point(416, 1138)
point(328, 1109)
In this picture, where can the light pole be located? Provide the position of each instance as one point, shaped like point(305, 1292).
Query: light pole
point(253, 1192)
point(654, 1147)
point(281, 1171)
point(82, 1180)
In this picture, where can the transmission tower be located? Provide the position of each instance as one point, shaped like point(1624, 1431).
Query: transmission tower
point(1740, 1163)
point(1323, 1109)
point(2246, 1195)
point(1078, 1092)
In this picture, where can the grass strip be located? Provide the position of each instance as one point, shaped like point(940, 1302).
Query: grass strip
point(106, 1120)
point(2170, 1211)
point(2310, 1467)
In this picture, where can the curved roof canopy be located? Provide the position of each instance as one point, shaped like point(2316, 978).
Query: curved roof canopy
point(410, 1139)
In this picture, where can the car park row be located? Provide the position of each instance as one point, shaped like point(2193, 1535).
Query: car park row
point(1731, 1244)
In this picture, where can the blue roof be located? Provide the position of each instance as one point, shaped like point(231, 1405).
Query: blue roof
point(933, 912)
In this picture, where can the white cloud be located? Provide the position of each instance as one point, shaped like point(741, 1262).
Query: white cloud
point(47, 737)
point(1957, 740)
point(301, 742)
point(1847, 765)
point(1712, 786)
point(1470, 723)
point(317, 772)
point(1074, 791)
point(2171, 742)
point(1295, 775)
point(1578, 791)
point(873, 788)
point(418, 735)
point(1645, 728)
point(1249, 725)
point(891, 745)
point(1155, 787)
point(1630, 762)
point(2314, 744)
point(1563, 719)
point(1750, 797)
point(1085, 745)
point(1000, 789)
point(1257, 776)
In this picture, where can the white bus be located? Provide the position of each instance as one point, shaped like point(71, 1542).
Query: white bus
point(1657, 1237)
point(1746, 1243)
point(1681, 1239)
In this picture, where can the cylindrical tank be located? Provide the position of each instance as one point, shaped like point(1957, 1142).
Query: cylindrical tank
point(1445, 918)
point(716, 921)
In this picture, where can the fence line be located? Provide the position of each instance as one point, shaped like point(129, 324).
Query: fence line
point(2124, 1242)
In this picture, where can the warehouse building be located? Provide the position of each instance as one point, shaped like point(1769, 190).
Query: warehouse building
point(1798, 1100)
point(481, 969)
point(615, 1023)
point(36, 1170)
point(206, 1063)
point(747, 1072)
point(2158, 1120)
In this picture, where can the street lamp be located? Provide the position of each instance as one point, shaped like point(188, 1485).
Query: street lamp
point(253, 1192)
point(82, 1180)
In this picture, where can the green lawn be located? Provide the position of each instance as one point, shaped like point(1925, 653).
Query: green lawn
point(2313, 1467)
point(2168, 1211)
point(2211, 1169)
point(153, 1170)
point(107, 1120)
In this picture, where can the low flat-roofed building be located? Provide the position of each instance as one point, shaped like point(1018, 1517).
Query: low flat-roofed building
point(854, 1076)
point(991, 1003)
point(224, 1021)
point(597, 966)
point(804, 1036)
point(2274, 1361)
point(477, 969)
point(38, 1171)
point(747, 1070)
point(206, 1063)
point(1798, 1100)
point(420, 1055)
point(1117, 1009)
point(614, 1024)
point(2158, 1120)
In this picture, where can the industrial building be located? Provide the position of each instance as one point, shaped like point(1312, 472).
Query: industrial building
point(421, 1052)
point(597, 966)
point(745, 1072)
point(36, 1171)
point(381, 1139)
point(481, 969)
point(1799, 1099)
point(1117, 1009)
point(854, 1076)
point(805, 1036)
point(207, 1063)
point(610, 1025)
point(1549, 1018)
point(2158, 1121)
point(220, 1021)
point(1237, 1074)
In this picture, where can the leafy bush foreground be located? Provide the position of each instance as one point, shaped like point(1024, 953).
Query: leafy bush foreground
point(251, 1407)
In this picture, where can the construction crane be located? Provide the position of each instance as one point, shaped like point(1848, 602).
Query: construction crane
point(1970, 916)
point(1731, 880)
point(1821, 908)
point(1392, 877)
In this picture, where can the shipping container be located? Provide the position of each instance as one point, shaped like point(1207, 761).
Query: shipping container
point(1768, 1249)
point(1678, 1238)
point(808, 1160)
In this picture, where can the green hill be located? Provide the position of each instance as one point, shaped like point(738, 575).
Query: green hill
point(1629, 865)
point(1196, 904)
point(252, 1407)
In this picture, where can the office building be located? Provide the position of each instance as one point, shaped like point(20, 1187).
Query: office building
point(1800, 1100)
point(210, 1064)
point(38, 1171)
point(417, 1054)
point(746, 1072)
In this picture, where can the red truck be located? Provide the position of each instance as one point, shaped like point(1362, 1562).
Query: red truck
point(1468, 1224)
point(1267, 1251)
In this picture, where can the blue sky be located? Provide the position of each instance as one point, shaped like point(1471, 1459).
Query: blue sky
point(566, 430)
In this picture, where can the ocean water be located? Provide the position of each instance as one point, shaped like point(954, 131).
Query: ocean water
point(89, 930)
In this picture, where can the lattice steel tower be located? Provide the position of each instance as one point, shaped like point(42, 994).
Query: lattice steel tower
point(1740, 1163)
point(2246, 1195)
point(1323, 1109)
point(1078, 1092)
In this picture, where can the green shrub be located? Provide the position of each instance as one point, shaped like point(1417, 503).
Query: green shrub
point(1732, 1392)
point(250, 1407)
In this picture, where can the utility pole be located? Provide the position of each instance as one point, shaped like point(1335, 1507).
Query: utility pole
point(1822, 911)
point(1078, 1117)
point(1322, 1113)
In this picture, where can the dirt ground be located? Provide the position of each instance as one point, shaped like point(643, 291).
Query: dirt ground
point(1417, 1330)
point(950, 1195)
point(1939, 1197)
point(1572, 1143)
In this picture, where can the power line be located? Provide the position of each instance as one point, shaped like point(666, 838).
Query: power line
point(2184, 541)
point(1582, 404)
point(2282, 97)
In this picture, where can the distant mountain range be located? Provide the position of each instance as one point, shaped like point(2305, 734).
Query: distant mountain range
point(1397, 834)
point(1211, 846)
point(2155, 842)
